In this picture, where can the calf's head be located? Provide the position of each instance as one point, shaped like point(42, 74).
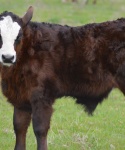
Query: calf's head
point(11, 31)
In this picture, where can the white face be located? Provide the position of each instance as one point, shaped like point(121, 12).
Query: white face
point(9, 31)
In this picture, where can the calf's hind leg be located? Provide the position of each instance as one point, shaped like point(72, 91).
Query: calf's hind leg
point(21, 121)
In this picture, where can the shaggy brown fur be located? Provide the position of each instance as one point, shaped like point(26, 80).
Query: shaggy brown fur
point(53, 61)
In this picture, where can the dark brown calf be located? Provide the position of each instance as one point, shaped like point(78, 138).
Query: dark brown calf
point(42, 62)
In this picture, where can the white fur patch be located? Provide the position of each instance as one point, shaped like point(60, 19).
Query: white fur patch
point(9, 31)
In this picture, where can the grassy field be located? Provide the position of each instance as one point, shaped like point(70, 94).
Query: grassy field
point(71, 127)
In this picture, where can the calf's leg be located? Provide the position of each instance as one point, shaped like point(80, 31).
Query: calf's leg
point(21, 121)
point(41, 115)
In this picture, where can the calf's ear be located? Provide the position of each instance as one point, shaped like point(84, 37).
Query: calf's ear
point(28, 16)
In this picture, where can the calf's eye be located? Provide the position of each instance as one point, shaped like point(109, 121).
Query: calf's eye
point(0, 41)
point(18, 38)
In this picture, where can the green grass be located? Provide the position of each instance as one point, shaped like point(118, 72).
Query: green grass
point(71, 127)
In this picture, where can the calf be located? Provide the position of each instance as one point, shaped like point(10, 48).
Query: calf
point(42, 62)
point(87, 1)
point(67, 0)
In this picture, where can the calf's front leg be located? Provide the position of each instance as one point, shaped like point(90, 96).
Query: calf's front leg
point(41, 115)
point(21, 121)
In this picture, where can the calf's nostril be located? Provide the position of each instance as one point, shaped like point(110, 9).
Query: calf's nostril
point(3, 57)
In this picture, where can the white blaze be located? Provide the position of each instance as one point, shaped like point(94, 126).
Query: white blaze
point(9, 31)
